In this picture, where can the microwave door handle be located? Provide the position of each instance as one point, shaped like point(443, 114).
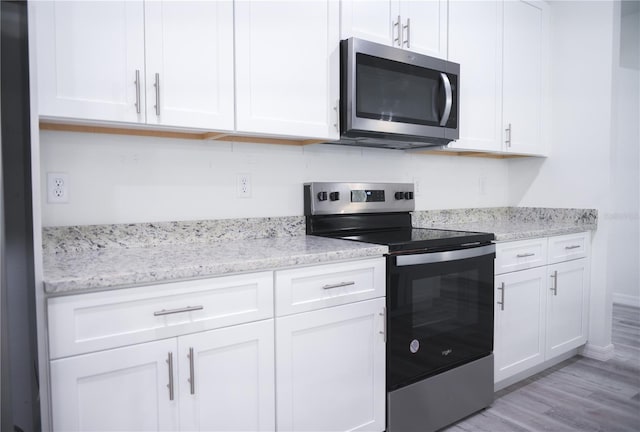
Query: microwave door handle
point(449, 99)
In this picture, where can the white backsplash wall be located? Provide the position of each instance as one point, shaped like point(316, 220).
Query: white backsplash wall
point(126, 179)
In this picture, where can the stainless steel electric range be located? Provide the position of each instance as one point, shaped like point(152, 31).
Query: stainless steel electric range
point(439, 357)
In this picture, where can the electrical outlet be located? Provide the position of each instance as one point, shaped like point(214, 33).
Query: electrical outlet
point(243, 185)
point(57, 188)
point(416, 186)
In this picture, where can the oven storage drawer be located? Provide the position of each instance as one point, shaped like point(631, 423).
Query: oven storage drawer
point(96, 321)
point(520, 255)
point(568, 247)
point(317, 287)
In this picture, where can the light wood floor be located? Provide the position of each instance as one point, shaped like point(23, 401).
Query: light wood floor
point(579, 394)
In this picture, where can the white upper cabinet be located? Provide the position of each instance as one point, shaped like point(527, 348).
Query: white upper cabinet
point(375, 21)
point(90, 60)
point(523, 76)
point(419, 26)
point(189, 63)
point(475, 41)
point(92, 55)
point(287, 61)
point(423, 26)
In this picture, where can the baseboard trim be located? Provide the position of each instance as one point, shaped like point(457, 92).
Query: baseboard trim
point(626, 300)
point(597, 352)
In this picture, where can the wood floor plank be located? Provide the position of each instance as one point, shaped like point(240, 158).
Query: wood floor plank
point(579, 394)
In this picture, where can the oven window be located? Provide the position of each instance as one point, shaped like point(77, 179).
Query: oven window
point(440, 316)
point(442, 303)
point(398, 92)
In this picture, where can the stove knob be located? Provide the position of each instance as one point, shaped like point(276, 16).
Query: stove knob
point(399, 195)
point(334, 196)
point(408, 195)
point(322, 196)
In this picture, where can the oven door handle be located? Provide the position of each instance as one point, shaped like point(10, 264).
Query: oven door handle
point(436, 257)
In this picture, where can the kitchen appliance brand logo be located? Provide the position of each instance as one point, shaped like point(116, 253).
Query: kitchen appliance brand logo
point(447, 352)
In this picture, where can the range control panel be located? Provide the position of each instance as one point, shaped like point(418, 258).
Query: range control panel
point(343, 198)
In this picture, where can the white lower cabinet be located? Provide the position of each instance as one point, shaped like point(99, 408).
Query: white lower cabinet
point(220, 380)
point(330, 368)
point(567, 306)
point(201, 354)
point(519, 321)
point(118, 389)
point(540, 312)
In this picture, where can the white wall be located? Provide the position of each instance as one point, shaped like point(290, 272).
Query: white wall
point(125, 179)
point(625, 163)
point(577, 172)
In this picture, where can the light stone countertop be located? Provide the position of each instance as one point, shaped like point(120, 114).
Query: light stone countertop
point(99, 257)
point(89, 270)
point(510, 223)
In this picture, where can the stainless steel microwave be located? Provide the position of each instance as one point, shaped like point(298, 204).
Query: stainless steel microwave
point(394, 98)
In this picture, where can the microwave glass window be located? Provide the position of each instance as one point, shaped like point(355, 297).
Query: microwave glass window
point(399, 92)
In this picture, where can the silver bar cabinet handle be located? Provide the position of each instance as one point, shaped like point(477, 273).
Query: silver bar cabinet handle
point(408, 27)
point(508, 135)
point(501, 302)
point(554, 287)
point(572, 247)
point(338, 285)
point(524, 255)
point(449, 99)
point(170, 385)
point(397, 39)
point(175, 311)
point(383, 314)
point(157, 86)
point(192, 382)
point(137, 82)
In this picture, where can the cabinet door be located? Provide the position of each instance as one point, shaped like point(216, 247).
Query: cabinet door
point(189, 54)
point(519, 321)
point(115, 390)
point(227, 379)
point(567, 303)
point(424, 26)
point(475, 41)
point(331, 369)
point(373, 20)
point(287, 61)
point(89, 54)
point(522, 76)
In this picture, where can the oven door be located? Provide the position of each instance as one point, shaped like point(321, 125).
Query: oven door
point(440, 312)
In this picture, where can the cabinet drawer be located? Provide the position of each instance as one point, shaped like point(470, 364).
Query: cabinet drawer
point(520, 255)
point(310, 288)
point(568, 247)
point(90, 322)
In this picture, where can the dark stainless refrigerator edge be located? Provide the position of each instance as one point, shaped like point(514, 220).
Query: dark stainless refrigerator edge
point(19, 395)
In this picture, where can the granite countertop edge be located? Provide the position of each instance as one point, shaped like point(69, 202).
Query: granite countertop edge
point(89, 271)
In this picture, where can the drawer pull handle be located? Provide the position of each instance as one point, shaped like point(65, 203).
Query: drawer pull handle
point(572, 247)
point(338, 285)
point(175, 311)
point(524, 255)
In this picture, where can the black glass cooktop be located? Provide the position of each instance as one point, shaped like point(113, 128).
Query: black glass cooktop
point(405, 239)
